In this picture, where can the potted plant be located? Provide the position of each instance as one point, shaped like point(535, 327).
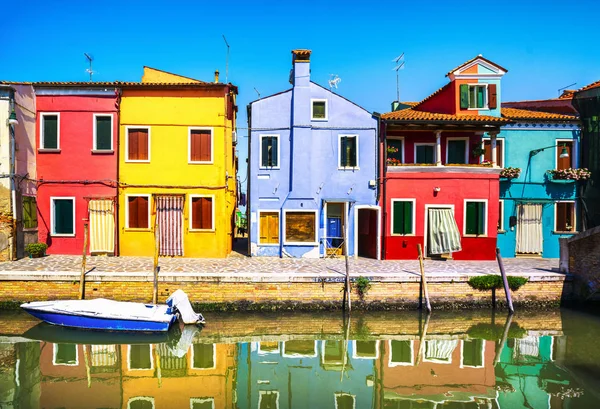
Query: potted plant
point(569, 174)
point(510, 173)
point(478, 150)
point(36, 250)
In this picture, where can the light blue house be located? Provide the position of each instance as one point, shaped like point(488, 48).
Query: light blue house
point(307, 373)
point(312, 172)
point(536, 208)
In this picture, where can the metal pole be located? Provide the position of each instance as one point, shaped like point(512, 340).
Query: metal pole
point(83, 262)
point(505, 282)
point(226, 61)
point(423, 279)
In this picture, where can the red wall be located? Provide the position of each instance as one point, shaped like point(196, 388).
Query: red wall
point(455, 188)
point(75, 161)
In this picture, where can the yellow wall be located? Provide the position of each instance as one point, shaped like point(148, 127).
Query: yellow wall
point(169, 112)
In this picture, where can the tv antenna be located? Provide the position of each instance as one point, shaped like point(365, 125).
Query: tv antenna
point(257, 92)
point(334, 80)
point(399, 65)
point(564, 88)
point(226, 61)
point(90, 58)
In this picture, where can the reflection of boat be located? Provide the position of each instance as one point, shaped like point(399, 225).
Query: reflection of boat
point(101, 314)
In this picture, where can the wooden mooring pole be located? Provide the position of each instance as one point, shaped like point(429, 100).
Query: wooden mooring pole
point(423, 279)
point(347, 303)
point(83, 263)
point(505, 282)
point(155, 264)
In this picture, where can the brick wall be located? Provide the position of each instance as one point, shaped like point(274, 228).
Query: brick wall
point(584, 264)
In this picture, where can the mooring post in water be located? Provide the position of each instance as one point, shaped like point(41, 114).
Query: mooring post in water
point(83, 262)
point(423, 279)
point(155, 265)
point(346, 340)
point(500, 346)
point(505, 281)
point(347, 303)
point(422, 340)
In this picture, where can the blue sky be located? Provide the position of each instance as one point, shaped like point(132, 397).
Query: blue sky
point(545, 45)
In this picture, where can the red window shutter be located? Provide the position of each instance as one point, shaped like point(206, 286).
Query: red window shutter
point(142, 212)
point(492, 96)
point(133, 211)
point(132, 142)
point(205, 144)
point(499, 149)
point(229, 107)
point(196, 213)
point(195, 148)
point(207, 213)
point(143, 144)
point(487, 146)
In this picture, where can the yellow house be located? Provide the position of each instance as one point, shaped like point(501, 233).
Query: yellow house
point(177, 166)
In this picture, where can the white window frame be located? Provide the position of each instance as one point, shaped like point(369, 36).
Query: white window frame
point(95, 130)
point(574, 216)
point(323, 343)
point(295, 243)
point(462, 365)
point(458, 138)
point(260, 138)
point(192, 196)
point(42, 115)
point(336, 394)
point(400, 138)
point(485, 218)
point(501, 215)
point(558, 148)
point(52, 227)
point(261, 352)
point(502, 141)
point(296, 355)
point(55, 350)
point(127, 128)
point(261, 393)
point(258, 227)
point(312, 101)
point(412, 354)
point(214, 349)
point(340, 167)
point(414, 216)
point(355, 351)
point(212, 145)
point(140, 369)
point(424, 144)
point(144, 398)
point(486, 105)
point(202, 400)
point(149, 196)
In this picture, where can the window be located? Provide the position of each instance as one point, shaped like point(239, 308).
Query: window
point(456, 150)
point(365, 350)
point(50, 131)
point(472, 352)
point(395, 151)
point(203, 356)
point(268, 347)
point(300, 347)
point(348, 157)
point(269, 151)
point(30, 212)
point(344, 401)
point(300, 227)
point(202, 403)
point(318, 109)
point(501, 215)
point(487, 147)
point(103, 131)
point(201, 145)
point(401, 353)
point(138, 216)
point(403, 217)
point(269, 228)
point(564, 163)
point(63, 216)
point(565, 217)
point(140, 356)
point(202, 211)
point(268, 399)
point(138, 142)
point(424, 153)
point(65, 354)
point(478, 96)
point(475, 217)
point(142, 402)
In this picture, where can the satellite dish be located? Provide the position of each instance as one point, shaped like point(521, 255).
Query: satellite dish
point(334, 80)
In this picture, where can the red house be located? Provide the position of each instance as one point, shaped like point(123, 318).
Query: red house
point(437, 189)
point(77, 134)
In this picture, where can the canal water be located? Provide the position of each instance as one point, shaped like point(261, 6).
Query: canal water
point(392, 360)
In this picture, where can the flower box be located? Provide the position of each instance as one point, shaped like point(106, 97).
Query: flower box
point(510, 173)
point(570, 174)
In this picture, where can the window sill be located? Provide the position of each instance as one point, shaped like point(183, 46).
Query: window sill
point(269, 168)
point(62, 235)
point(403, 235)
point(501, 231)
point(476, 236)
point(564, 232)
point(318, 119)
point(134, 229)
point(201, 230)
point(268, 244)
point(201, 163)
point(348, 168)
point(102, 152)
point(307, 244)
point(30, 229)
point(136, 161)
point(479, 109)
point(43, 150)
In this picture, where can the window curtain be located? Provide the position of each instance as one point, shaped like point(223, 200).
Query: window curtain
point(443, 232)
point(529, 228)
point(169, 211)
point(102, 225)
point(440, 349)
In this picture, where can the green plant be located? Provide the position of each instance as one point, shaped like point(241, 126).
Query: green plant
point(36, 249)
point(363, 284)
point(478, 150)
point(491, 281)
point(492, 332)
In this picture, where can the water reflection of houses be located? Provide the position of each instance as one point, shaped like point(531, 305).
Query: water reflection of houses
point(306, 373)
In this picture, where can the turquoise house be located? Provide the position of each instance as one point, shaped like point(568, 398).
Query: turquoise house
point(536, 206)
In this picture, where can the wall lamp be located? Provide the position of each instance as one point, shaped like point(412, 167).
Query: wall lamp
point(12, 119)
point(563, 153)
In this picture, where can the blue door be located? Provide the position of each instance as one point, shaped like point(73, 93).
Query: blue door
point(334, 231)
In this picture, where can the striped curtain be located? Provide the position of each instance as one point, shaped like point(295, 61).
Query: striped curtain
point(169, 211)
point(102, 225)
point(529, 228)
point(443, 232)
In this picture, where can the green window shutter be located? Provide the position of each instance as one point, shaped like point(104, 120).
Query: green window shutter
point(456, 152)
point(63, 216)
point(425, 154)
point(464, 96)
point(351, 155)
point(29, 212)
point(274, 150)
point(265, 151)
point(343, 152)
point(103, 133)
point(480, 97)
point(475, 218)
point(50, 129)
point(481, 218)
point(408, 217)
point(402, 217)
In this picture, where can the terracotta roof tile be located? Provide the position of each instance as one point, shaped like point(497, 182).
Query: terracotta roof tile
point(129, 84)
point(412, 115)
point(525, 114)
point(590, 86)
point(473, 59)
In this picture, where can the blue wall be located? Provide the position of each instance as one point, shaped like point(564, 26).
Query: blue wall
point(533, 185)
point(308, 173)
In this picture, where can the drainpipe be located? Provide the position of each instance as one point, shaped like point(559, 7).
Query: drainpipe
point(117, 249)
point(12, 122)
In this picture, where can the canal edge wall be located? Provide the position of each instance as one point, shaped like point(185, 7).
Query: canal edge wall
point(584, 264)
